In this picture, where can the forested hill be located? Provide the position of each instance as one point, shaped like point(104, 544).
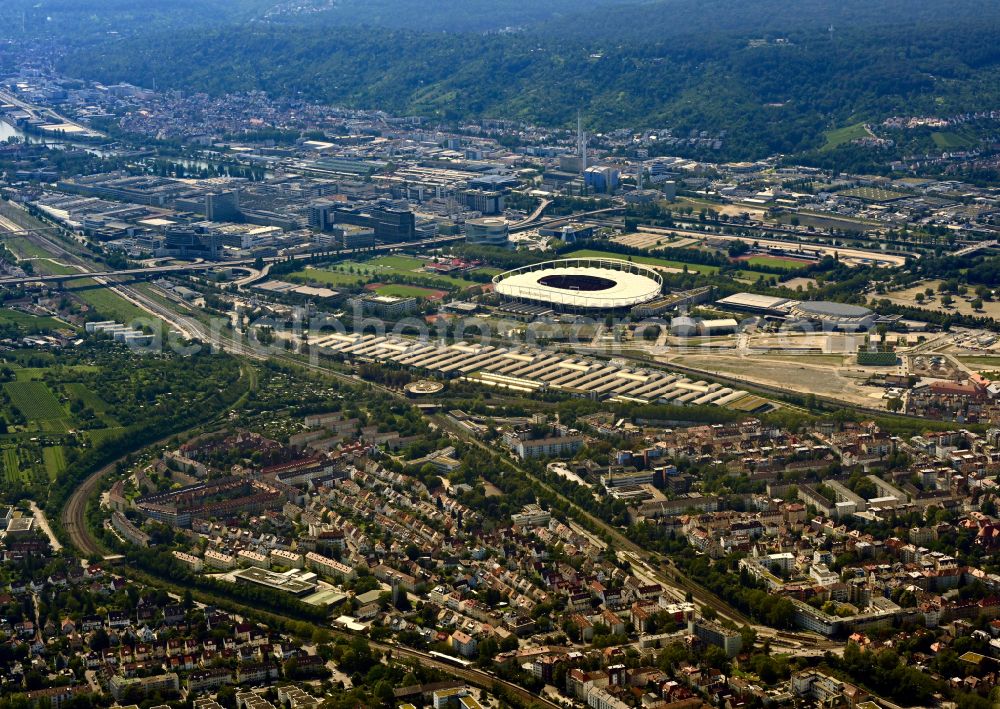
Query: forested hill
point(768, 72)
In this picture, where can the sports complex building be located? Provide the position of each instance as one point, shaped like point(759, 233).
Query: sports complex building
point(825, 314)
point(581, 284)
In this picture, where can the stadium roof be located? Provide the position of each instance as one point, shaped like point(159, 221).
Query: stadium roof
point(583, 283)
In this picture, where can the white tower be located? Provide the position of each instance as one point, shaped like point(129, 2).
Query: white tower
point(581, 142)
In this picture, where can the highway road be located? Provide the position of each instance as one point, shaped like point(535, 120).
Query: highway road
point(203, 265)
point(525, 225)
point(534, 216)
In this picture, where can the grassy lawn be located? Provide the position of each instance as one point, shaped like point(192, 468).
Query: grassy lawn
point(401, 290)
point(55, 461)
point(833, 360)
point(840, 136)
point(777, 262)
point(398, 266)
point(325, 276)
point(35, 400)
point(646, 260)
point(31, 322)
point(946, 140)
point(108, 303)
point(486, 271)
point(824, 221)
point(751, 276)
point(980, 361)
point(88, 397)
point(23, 248)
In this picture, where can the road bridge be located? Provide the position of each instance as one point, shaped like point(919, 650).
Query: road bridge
point(210, 265)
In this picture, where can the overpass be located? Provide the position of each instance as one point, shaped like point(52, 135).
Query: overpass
point(973, 248)
point(525, 225)
point(210, 265)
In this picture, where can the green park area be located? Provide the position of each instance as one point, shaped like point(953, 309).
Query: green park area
point(57, 408)
point(45, 411)
point(842, 136)
point(410, 268)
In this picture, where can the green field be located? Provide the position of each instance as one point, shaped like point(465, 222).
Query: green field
point(108, 303)
point(11, 465)
point(35, 401)
point(401, 290)
point(777, 262)
point(947, 140)
point(395, 265)
point(31, 323)
point(88, 397)
point(100, 435)
point(980, 361)
point(646, 260)
point(55, 461)
point(325, 276)
point(841, 136)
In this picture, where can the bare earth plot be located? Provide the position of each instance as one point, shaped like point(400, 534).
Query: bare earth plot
point(792, 374)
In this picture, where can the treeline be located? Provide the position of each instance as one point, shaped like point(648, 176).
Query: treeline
point(738, 589)
point(776, 96)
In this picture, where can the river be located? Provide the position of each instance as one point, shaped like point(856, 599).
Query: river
point(8, 130)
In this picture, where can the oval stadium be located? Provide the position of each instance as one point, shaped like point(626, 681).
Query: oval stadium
point(582, 284)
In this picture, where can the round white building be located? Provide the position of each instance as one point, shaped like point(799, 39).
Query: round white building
point(488, 231)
